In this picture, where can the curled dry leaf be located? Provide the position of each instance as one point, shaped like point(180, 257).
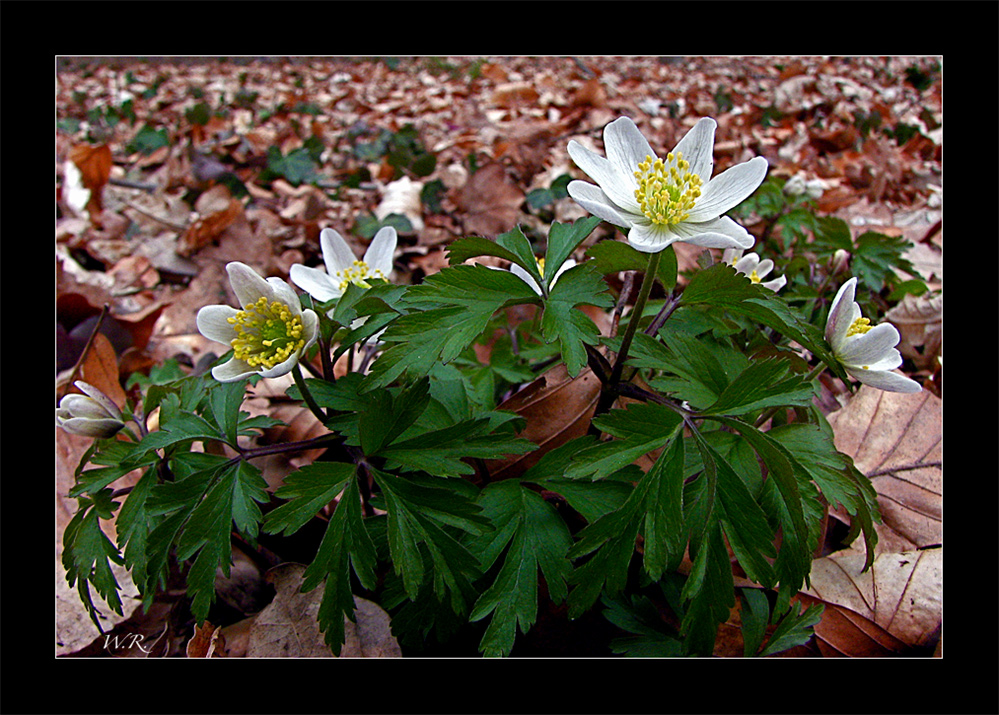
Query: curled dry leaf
point(289, 626)
point(896, 440)
point(217, 210)
point(901, 593)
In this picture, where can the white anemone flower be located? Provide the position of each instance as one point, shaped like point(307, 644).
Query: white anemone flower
point(270, 333)
point(661, 201)
point(751, 266)
point(343, 268)
point(91, 414)
point(867, 352)
point(526, 277)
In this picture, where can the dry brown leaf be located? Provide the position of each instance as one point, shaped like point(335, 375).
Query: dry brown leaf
point(843, 633)
point(919, 320)
point(289, 628)
point(94, 163)
point(901, 593)
point(208, 641)
point(490, 200)
point(896, 439)
point(557, 409)
point(217, 210)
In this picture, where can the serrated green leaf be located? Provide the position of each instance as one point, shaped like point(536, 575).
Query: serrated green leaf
point(226, 399)
point(794, 629)
point(720, 286)
point(763, 384)
point(874, 257)
point(346, 545)
point(640, 429)
point(708, 591)
point(563, 239)
point(306, 491)
point(580, 285)
point(416, 512)
point(535, 540)
point(87, 557)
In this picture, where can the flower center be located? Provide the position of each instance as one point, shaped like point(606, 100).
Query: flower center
point(541, 266)
point(266, 334)
point(358, 273)
point(858, 327)
point(667, 191)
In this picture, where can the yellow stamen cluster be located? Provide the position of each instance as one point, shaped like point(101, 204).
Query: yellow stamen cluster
point(667, 191)
point(358, 273)
point(267, 334)
point(753, 277)
point(541, 266)
point(858, 327)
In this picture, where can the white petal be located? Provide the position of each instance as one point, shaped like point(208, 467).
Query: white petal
point(651, 238)
point(720, 233)
point(729, 189)
point(731, 256)
point(233, 370)
point(336, 253)
point(618, 187)
point(569, 263)
point(526, 277)
point(382, 250)
point(885, 380)
point(697, 147)
point(213, 323)
point(763, 267)
point(872, 347)
point(748, 263)
point(595, 201)
point(246, 283)
point(315, 281)
point(284, 293)
point(74, 405)
point(103, 400)
point(87, 427)
point(625, 145)
point(310, 327)
point(841, 314)
point(776, 284)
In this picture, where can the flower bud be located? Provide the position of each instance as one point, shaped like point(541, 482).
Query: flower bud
point(815, 188)
point(92, 414)
point(839, 262)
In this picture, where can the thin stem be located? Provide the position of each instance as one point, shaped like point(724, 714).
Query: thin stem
point(669, 307)
point(609, 392)
point(306, 395)
point(629, 332)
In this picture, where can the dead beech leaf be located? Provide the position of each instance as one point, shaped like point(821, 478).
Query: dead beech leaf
point(94, 163)
point(289, 628)
point(896, 440)
point(919, 320)
point(490, 200)
point(844, 633)
point(217, 210)
point(557, 409)
point(208, 641)
point(901, 592)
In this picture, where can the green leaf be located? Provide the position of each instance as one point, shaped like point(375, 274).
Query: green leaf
point(226, 399)
point(535, 540)
point(764, 383)
point(874, 257)
point(794, 629)
point(385, 417)
point(307, 490)
point(580, 285)
point(720, 286)
point(616, 256)
point(640, 429)
point(88, 554)
point(417, 511)
point(563, 239)
point(639, 615)
point(346, 545)
point(442, 452)
point(455, 307)
point(709, 592)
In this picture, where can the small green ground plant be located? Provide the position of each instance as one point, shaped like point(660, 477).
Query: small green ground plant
point(704, 464)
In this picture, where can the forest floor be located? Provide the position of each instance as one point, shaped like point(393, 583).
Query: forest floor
point(167, 170)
